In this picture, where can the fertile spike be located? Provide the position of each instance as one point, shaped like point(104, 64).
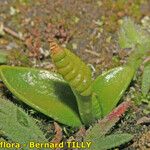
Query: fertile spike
point(54, 47)
point(72, 69)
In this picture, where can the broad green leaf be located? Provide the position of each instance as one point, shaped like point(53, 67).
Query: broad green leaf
point(44, 91)
point(110, 86)
point(146, 80)
point(110, 141)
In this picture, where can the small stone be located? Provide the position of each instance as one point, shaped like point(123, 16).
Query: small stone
point(13, 11)
point(74, 46)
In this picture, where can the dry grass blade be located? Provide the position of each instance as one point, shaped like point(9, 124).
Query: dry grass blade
point(58, 136)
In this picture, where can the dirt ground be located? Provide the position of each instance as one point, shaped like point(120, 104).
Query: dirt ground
point(87, 27)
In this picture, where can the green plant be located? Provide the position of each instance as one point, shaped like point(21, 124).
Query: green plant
point(78, 99)
point(79, 77)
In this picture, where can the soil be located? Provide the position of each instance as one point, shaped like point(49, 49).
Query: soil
point(89, 28)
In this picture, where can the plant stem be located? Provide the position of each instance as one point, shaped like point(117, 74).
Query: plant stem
point(85, 107)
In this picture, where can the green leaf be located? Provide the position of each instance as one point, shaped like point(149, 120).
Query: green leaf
point(110, 86)
point(44, 91)
point(131, 35)
point(15, 131)
point(146, 80)
point(96, 107)
point(103, 126)
point(110, 141)
point(21, 118)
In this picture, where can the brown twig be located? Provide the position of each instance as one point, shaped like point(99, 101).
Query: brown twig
point(92, 53)
point(13, 33)
point(143, 120)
